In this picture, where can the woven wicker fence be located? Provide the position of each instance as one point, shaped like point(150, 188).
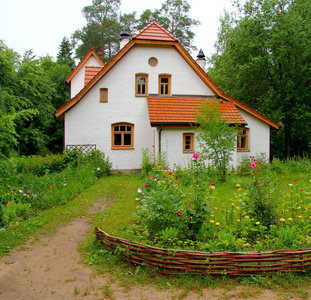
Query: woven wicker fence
point(168, 261)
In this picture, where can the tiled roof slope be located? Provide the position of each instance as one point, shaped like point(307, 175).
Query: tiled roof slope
point(183, 110)
point(154, 31)
point(90, 73)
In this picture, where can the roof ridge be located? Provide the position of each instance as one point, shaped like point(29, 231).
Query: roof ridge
point(139, 35)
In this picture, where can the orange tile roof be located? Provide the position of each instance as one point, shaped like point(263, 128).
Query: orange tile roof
point(154, 31)
point(183, 110)
point(90, 73)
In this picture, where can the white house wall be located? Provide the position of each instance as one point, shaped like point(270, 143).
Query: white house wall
point(77, 82)
point(89, 122)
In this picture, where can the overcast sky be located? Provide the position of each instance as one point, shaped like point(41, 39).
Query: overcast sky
point(40, 25)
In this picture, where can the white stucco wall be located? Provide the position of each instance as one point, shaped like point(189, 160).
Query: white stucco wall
point(77, 82)
point(89, 122)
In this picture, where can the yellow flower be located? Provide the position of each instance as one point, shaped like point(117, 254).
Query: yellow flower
point(238, 185)
point(239, 189)
point(217, 224)
point(137, 206)
point(290, 219)
point(152, 169)
point(238, 220)
point(253, 219)
point(212, 216)
point(300, 217)
point(299, 207)
point(282, 220)
point(257, 223)
point(176, 184)
point(212, 221)
point(247, 217)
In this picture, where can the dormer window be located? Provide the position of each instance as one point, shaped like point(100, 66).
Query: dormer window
point(141, 84)
point(164, 85)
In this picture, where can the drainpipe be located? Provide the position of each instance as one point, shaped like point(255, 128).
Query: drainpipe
point(160, 137)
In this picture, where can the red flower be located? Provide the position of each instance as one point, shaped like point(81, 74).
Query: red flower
point(259, 239)
point(176, 177)
point(295, 179)
point(170, 173)
point(301, 189)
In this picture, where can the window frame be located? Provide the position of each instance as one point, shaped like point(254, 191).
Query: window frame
point(113, 132)
point(191, 150)
point(239, 139)
point(168, 84)
point(137, 83)
point(101, 98)
point(156, 62)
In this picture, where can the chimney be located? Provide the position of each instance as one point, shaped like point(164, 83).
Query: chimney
point(201, 61)
point(124, 38)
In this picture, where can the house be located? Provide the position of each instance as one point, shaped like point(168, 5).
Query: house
point(144, 98)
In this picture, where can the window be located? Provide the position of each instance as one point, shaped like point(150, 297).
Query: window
point(188, 142)
point(165, 85)
point(103, 95)
point(122, 136)
point(242, 139)
point(141, 85)
point(153, 62)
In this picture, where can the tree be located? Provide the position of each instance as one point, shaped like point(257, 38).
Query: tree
point(264, 59)
point(102, 29)
point(217, 139)
point(65, 53)
point(173, 16)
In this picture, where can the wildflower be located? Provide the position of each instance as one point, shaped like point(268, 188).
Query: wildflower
point(152, 169)
point(212, 183)
point(217, 224)
point(247, 217)
point(139, 191)
point(282, 220)
point(212, 216)
point(253, 165)
point(137, 199)
point(53, 193)
point(171, 182)
point(299, 207)
point(178, 213)
point(257, 223)
point(195, 156)
point(176, 177)
point(65, 184)
point(295, 179)
point(290, 184)
point(238, 220)
point(190, 202)
point(285, 187)
point(238, 185)
point(170, 173)
point(239, 189)
point(290, 219)
point(98, 169)
point(210, 187)
point(146, 185)
point(300, 217)
point(213, 187)
point(212, 221)
point(259, 239)
point(301, 190)
point(176, 184)
point(163, 181)
point(137, 206)
point(20, 191)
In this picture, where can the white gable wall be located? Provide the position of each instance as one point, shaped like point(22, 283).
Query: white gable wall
point(89, 122)
point(77, 82)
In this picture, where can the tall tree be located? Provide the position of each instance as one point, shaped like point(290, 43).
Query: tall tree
point(64, 56)
point(264, 59)
point(102, 29)
point(174, 17)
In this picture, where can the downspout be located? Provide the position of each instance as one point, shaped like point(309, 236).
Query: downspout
point(160, 137)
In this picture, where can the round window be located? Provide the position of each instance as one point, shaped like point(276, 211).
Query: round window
point(153, 61)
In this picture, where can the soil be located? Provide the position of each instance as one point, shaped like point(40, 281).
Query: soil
point(51, 268)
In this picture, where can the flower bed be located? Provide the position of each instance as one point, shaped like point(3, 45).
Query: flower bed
point(177, 262)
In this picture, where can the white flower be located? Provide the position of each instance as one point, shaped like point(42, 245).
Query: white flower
point(290, 184)
point(137, 199)
point(213, 187)
point(139, 191)
point(65, 184)
point(98, 169)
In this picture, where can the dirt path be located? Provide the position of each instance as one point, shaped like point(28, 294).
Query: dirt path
point(51, 268)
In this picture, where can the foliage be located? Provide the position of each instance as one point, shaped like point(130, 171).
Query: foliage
point(147, 162)
point(34, 184)
point(263, 58)
point(217, 139)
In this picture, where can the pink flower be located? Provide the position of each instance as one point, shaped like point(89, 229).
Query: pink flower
point(212, 183)
point(190, 202)
point(195, 156)
point(146, 184)
point(253, 165)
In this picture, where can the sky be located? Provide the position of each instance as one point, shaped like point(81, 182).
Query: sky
point(40, 25)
